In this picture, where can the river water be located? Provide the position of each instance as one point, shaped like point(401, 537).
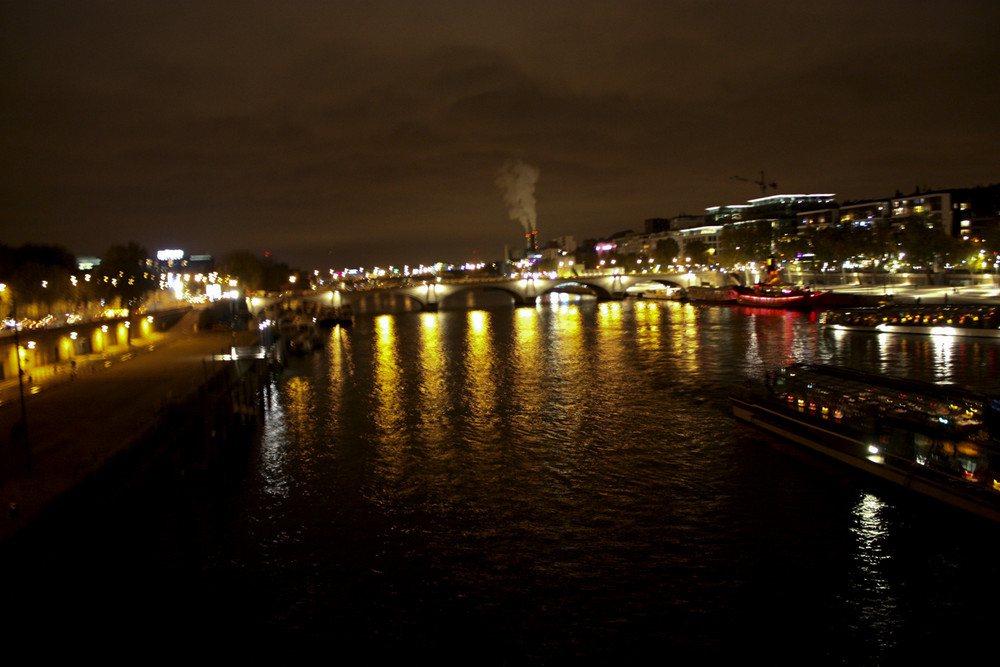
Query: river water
point(556, 484)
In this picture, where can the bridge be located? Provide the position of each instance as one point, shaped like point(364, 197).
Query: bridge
point(524, 291)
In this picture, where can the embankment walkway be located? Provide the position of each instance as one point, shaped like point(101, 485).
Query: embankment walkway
point(77, 424)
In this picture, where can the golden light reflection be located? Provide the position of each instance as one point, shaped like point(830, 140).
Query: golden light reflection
point(610, 351)
point(481, 385)
point(609, 312)
point(388, 381)
point(341, 368)
point(647, 321)
point(65, 347)
point(478, 321)
point(568, 366)
point(299, 403)
point(529, 365)
point(292, 427)
point(433, 394)
point(684, 338)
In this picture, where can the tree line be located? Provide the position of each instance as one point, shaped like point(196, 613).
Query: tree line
point(920, 243)
point(40, 277)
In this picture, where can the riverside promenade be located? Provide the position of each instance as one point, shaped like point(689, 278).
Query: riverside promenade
point(78, 423)
point(924, 294)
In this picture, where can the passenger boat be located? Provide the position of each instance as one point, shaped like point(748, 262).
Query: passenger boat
point(665, 294)
point(708, 294)
point(299, 333)
point(331, 317)
point(935, 439)
point(962, 320)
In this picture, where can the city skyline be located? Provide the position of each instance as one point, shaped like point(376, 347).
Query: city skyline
point(334, 134)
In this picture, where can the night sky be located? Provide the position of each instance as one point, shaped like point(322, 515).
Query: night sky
point(337, 134)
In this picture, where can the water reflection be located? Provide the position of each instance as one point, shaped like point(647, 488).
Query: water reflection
point(300, 416)
point(684, 338)
point(433, 412)
point(528, 390)
point(274, 448)
point(341, 364)
point(480, 380)
point(389, 415)
point(930, 358)
point(572, 472)
point(611, 351)
point(874, 599)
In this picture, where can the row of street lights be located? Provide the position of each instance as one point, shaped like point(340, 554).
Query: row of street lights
point(22, 427)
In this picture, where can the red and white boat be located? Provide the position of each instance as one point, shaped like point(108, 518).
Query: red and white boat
point(778, 296)
point(772, 293)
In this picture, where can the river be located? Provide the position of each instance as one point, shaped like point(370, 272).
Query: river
point(549, 485)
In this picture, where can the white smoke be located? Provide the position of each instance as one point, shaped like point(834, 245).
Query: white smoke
point(517, 180)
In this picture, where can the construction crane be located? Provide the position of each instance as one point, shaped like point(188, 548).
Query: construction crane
point(764, 185)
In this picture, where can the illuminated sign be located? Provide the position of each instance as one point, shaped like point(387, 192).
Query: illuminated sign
point(167, 255)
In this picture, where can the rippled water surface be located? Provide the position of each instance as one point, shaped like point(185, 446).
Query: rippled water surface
point(566, 483)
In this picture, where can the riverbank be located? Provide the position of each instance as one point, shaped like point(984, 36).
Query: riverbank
point(925, 294)
point(101, 426)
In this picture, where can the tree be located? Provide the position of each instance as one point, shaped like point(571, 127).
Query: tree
point(246, 267)
point(37, 275)
point(791, 247)
point(256, 273)
point(665, 252)
point(925, 243)
point(126, 276)
point(698, 251)
point(744, 243)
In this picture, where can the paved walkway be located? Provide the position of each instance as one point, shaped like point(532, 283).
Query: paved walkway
point(905, 294)
point(75, 425)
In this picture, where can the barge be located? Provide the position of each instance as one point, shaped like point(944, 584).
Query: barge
point(962, 320)
point(938, 440)
point(709, 294)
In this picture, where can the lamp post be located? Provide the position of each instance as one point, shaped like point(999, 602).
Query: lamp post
point(20, 378)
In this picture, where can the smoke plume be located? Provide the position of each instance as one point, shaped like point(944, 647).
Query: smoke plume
point(517, 181)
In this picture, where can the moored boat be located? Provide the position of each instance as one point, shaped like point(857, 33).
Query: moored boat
point(299, 334)
point(331, 317)
point(937, 440)
point(708, 294)
point(664, 294)
point(960, 320)
point(778, 296)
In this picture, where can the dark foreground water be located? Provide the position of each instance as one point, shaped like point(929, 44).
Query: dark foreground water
point(555, 485)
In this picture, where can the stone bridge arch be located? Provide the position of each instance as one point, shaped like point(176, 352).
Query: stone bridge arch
point(429, 294)
point(599, 290)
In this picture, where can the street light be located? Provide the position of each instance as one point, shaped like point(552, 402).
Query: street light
point(20, 377)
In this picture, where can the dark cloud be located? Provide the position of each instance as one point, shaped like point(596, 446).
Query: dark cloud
point(334, 133)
